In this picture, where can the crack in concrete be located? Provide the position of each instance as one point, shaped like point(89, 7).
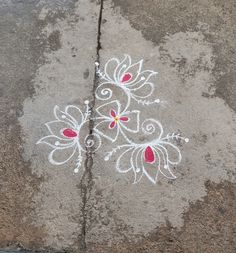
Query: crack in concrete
point(87, 178)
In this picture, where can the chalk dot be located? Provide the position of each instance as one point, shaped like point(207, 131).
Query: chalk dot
point(124, 65)
point(165, 166)
point(96, 63)
point(142, 78)
point(76, 170)
point(187, 140)
point(57, 143)
point(63, 116)
point(157, 100)
point(138, 170)
point(106, 158)
point(86, 102)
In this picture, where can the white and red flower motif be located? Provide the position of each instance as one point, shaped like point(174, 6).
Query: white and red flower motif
point(134, 81)
point(111, 117)
point(149, 155)
point(149, 159)
point(114, 119)
point(64, 136)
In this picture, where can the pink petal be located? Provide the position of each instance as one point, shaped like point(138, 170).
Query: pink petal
point(126, 77)
point(113, 113)
point(149, 155)
point(69, 133)
point(112, 124)
point(124, 118)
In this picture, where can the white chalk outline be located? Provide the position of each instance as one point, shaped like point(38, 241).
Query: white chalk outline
point(75, 143)
point(136, 162)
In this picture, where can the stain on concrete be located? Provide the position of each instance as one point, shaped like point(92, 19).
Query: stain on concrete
point(54, 40)
point(86, 74)
point(215, 19)
point(22, 48)
point(188, 58)
point(226, 88)
point(209, 226)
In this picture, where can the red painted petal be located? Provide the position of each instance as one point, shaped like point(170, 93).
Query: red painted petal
point(112, 124)
point(113, 113)
point(124, 118)
point(149, 155)
point(126, 77)
point(69, 133)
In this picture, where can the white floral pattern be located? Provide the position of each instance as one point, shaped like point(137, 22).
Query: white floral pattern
point(64, 135)
point(129, 77)
point(112, 118)
point(148, 159)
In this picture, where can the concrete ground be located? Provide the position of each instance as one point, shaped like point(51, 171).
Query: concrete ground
point(48, 51)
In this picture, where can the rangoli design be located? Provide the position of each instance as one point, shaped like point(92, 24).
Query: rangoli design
point(115, 121)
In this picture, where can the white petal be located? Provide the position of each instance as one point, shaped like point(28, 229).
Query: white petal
point(55, 141)
point(121, 164)
point(145, 90)
point(75, 113)
point(166, 172)
point(164, 163)
point(110, 68)
point(105, 109)
point(63, 116)
point(137, 165)
point(134, 69)
point(103, 129)
point(122, 68)
point(56, 127)
point(133, 124)
point(60, 156)
point(172, 152)
point(142, 78)
point(130, 160)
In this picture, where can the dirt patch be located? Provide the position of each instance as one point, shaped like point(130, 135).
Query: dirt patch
point(209, 226)
point(226, 88)
point(54, 40)
point(17, 186)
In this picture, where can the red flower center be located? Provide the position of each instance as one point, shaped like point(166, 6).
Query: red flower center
point(116, 119)
point(69, 133)
point(149, 155)
point(126, 77)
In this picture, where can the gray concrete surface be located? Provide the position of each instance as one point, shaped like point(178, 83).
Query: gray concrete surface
point(48, 51)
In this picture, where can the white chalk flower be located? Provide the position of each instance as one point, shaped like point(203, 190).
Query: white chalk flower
point(64, 135)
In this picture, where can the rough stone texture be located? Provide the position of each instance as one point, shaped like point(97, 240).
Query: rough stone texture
point(209, 227)
point(48, 49)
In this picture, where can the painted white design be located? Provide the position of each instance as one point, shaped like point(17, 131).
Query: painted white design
point(130, 77)
point(111, 117)
point(113, 120)
point(150, 158)
point(64, 135)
